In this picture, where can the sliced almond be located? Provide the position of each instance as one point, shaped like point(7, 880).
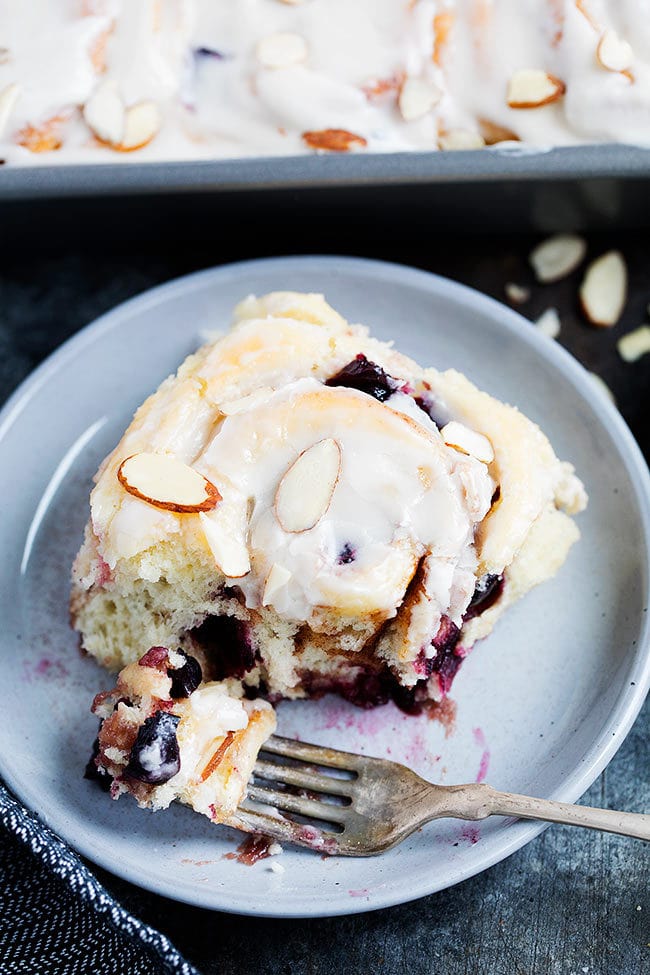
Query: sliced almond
point(45, 137)
point(281, 50)
point(104, 113)
point(460, 437)
point(532, 88)
point(443, 24)
point(229, 551)
point(277, 578)
point(417, 97)
point(460, 139)
point(549, 323)
point(613, 53)
point(583, 7)
point(333, 140)
point(382, 88)
point(604, 289)
point(8, 98)
point(141, 124)
point(242, 403)
point(166, 482)
point(493, 133)
point(518, 294)
point(305, 492)
point(557, 256)
point(635, 344)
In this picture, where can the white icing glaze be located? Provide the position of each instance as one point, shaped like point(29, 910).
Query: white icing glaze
point(401, 495)
point(224, 102)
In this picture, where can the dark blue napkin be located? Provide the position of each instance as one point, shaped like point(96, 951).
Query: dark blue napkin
point(55, 916)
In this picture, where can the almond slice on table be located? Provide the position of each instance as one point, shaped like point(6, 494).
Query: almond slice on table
point(460, 139)
point(549, 323)
point(333, 140)
point(281, 50)
point(518, 294)
point(634, 345)
point(305, 492)
point(557, 257)
point(166, 482)
point(613, 53)
point(604, 289)
point(277, 578)
point(460, 437)
point(8, 98)
point(228, 550)
point(532, 88)
point(417, 97)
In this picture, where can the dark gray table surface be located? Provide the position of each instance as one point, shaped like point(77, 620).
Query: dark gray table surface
point(570, 903)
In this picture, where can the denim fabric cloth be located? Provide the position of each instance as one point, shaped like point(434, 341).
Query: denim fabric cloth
point(57, 919)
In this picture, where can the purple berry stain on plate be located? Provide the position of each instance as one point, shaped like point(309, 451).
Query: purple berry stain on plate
point(484, 764)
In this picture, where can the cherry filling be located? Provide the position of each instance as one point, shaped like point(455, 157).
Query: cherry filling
point(488, 589)
point(367, 377)
point(228, 646)
point(155, 756)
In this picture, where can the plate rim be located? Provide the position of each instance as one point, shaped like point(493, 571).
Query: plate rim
point(627, 705)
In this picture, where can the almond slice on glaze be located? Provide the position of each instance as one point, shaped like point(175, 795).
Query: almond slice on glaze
point(460, 139)
point(141, 124)
point(613, 53)
point(557, 257)
point(604, 289)
point(277, 578)
point(166, 482)
point(532, 88)
point(460, 437)
point(230, 553)
point(104, 113)
point(333, 140)
point(634, 345)
point(417, 97)
point(242, 403)
point(8, 98)
point(493, 133)
point(281, 50)
point(124, 129)
point(305, 492)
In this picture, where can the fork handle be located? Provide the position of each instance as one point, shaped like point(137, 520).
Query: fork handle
point(480, 801)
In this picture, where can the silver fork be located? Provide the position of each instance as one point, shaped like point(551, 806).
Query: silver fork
point(358, 806)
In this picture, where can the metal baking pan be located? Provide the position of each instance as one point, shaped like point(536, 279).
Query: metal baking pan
point(585, 187)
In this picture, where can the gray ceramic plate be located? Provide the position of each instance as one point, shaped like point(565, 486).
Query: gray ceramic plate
point(542, 705)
